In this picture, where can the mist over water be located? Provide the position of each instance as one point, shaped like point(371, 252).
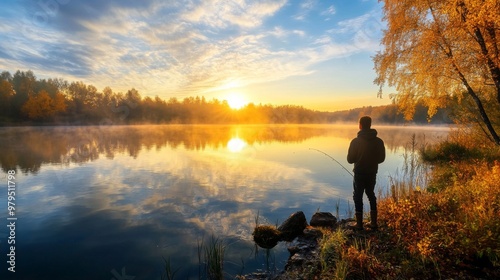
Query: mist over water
point(93, 200)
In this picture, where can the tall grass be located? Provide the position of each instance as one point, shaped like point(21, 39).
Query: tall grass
point(211, 259)
point(169, 273)
point(337, 209)
point(413, 175)
point(349, 210)
point(348, 257)
point(333, 266)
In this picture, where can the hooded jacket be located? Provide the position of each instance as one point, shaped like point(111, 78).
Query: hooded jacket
point(366, 151)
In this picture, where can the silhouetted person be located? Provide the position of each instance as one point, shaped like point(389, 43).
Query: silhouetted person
point(366, 152)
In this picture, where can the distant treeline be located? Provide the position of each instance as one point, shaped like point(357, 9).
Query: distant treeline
point(389, 114)
point(24, 99)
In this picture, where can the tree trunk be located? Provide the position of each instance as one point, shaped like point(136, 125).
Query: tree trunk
point(484, 116)
point(479, 105)
point(476, 99)
point(478, 102)
point(494, 69)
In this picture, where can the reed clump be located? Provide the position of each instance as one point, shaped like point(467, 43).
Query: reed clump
point(266, 236)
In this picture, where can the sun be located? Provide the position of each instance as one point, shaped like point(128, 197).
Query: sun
point(236, 101)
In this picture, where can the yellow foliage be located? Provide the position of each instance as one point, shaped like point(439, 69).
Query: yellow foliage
point(434, 50)
point(42, 106)
point(459, 221)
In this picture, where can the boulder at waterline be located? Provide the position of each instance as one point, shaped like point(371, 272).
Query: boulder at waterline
point(323, 219)
point(293, 226)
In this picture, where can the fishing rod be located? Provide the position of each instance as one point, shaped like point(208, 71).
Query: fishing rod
point(333, 160)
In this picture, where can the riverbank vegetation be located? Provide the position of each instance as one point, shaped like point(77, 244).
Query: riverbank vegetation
point(445, 229)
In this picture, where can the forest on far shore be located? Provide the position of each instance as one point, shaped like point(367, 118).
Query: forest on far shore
point(26, 100)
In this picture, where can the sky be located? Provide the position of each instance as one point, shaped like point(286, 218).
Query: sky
point(311, 53)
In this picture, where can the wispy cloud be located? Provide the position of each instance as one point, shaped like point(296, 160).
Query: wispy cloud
point(222, 13)
point(305, 8)
point(330, 11)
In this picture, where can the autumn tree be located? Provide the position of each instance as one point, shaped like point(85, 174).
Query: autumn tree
point(42, 106)
point(437, 50)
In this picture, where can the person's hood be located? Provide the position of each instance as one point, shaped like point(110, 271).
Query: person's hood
point(367, 133)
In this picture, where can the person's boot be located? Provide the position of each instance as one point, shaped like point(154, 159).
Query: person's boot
point(373, 220)
point(359, 221)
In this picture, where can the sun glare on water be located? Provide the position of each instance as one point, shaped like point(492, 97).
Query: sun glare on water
point(236, 144)
point(236, 101)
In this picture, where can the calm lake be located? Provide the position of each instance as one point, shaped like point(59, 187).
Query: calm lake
point(110, 202)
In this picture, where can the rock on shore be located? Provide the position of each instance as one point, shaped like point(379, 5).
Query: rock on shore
point(303, 243)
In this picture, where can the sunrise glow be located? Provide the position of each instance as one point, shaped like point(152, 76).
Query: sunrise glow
point(236, 101)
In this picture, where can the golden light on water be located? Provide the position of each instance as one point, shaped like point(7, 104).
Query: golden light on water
point(236, 144)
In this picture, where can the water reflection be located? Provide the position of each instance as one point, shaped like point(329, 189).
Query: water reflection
point(94, 199)
point(236, 144)
point(29, 148)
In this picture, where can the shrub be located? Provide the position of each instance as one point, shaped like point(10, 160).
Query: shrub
point(449, 151)
point(452, 225)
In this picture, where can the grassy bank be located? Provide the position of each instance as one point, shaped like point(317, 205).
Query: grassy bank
point(439, 220)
